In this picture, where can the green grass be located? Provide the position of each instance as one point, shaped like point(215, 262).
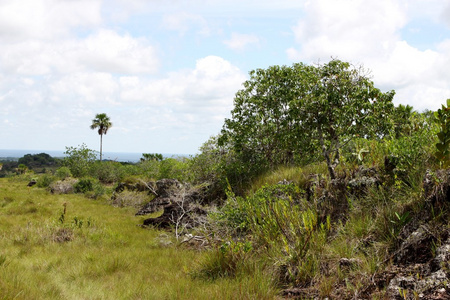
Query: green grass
point(98, 252)
point(297, 175)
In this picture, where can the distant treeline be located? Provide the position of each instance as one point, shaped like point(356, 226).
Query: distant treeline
point(39, 163)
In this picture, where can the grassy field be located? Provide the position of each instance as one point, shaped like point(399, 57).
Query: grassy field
point(71, 247)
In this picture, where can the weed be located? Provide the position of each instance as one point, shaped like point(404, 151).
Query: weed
point(2, 259)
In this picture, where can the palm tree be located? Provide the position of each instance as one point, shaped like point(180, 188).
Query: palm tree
point(103, 123)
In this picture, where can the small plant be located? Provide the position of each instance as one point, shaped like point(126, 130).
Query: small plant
point(45, 180)
point(62, 217)
point(442, 116)
point(2, 259)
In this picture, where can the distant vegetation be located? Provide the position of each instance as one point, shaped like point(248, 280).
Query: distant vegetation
point(313, 188)
point(38, 163)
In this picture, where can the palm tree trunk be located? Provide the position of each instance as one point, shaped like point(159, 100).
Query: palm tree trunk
point(101, 143)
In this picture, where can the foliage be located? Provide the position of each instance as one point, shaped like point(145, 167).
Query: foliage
point(282, 222)
point(84, 185)
point(45, 180)
point(264, 129)
point(402, 118)
point(21, 169)
point(342, 104)
point(63, 173)
point(176, 168)
point(79, 160)
point(152, 156)
point(107, 171)
point(103, 123)
point(38, 160)
point(217, 165)
point(293, 114)
point(148, 169)
point(442, 116)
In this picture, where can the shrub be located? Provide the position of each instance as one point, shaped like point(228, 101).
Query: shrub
point(176, 168)
point(282, 222)
point(107, 171)
point(63, 173)
point(45, 180)
point(79, 160)
point(84, 185)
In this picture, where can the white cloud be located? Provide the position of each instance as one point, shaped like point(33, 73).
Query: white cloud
point(348, 28)
point(207, 91)
point(369, 33)
point(240, 41)
point(104, 51)
point(85, 88)
point(46, 19)
point(108, 51)
point(190, 104)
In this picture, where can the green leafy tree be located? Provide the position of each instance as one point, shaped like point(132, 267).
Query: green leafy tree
point(37, 160)
point(341, 104)
point(151, 156)
point(285, 114)
point(264, 129)
point(403, 118)
point(103, 123)
point(79, 160)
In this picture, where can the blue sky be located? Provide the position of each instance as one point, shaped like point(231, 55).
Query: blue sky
point(166, 71)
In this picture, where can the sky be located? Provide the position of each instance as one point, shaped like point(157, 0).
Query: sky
point(166, 71)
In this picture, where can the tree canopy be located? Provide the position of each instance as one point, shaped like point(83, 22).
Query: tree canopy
point(285, 114)
point(103, 123)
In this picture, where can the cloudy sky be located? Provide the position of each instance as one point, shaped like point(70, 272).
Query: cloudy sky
point(166, 71)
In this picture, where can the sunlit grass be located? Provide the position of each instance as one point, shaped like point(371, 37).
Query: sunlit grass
point(97, 251)
point(297, 175)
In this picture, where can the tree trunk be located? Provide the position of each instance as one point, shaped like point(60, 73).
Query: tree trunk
point(326, 154)
point(101, 143)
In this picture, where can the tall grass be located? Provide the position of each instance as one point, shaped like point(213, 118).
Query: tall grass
point(97, 251)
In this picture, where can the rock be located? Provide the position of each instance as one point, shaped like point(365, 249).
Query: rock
point(416, 248)
point(284, 182)
point(359, 185)
point(180, 204)
point(31, 183)
point(167, 190)
point(348, 263)
point(419, 275)
point(442, 257)
point(63, 186)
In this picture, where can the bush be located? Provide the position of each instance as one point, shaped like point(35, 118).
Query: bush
point(84, 185)
point(63, 173)
point(45, 180)
point(107, 171)
point(79, 160)
point(281, 222)
point(175, 168)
